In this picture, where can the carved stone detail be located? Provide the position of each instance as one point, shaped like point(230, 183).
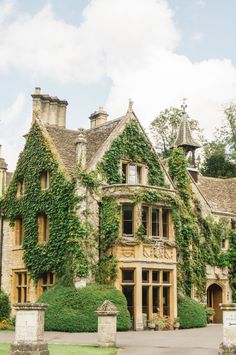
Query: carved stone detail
point(128, 251)
point(158, 251)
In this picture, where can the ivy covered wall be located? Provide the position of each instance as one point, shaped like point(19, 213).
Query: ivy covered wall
point(59, 202)
point(198, 239)
point(131, 145)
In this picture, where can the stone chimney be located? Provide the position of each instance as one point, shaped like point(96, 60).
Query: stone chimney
point(80, 144)
point(98, 117)
point(49, 109)
point(3, 174)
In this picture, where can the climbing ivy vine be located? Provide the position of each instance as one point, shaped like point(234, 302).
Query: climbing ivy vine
point(63, 249)
point(198, 239)
point(132, 145)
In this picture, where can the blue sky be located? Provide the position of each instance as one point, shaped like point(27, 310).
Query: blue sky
point(101, 52)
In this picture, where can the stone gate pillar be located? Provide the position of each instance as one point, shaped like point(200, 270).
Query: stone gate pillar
point(29, 332)
point(107, 319)
point(228, 346)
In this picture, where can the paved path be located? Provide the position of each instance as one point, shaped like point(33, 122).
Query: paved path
point(202, 341)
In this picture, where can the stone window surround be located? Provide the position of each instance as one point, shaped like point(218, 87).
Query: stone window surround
point(150, 284)
point(20, 188)
point(137, 219)
point(141, 175)
point(18, 233)
point(160, 221)
point(45, 180)
point(43, 286)
point(16, 286)
point(43, 228)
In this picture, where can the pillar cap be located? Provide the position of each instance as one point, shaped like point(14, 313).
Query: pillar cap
point(107, 309)
point(30, 306)
point(228, 306)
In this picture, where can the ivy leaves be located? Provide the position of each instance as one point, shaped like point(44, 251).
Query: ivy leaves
point(134, 146)
point(58, 203)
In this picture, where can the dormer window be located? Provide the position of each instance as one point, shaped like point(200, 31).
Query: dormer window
point(20, 188)
point(131, 173)
point(45, 180)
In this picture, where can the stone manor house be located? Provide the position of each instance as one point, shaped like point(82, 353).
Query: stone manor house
point(146, 272)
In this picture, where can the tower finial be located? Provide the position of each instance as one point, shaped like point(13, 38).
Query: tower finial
point(184, 105)
point(130, 107)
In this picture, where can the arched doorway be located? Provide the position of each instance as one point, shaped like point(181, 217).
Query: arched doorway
point(214, 298)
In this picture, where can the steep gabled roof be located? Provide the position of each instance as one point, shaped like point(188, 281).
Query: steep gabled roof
point(219, 193)
point(99, 140)
point(184, 136)
point(64, 141)
point(98, 135)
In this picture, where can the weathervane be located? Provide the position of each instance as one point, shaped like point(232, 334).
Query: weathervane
point(184, 105)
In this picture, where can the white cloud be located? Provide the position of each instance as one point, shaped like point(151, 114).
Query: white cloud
point(131, 42)
point(198, 36)
point(12, 113)
point(14, 121)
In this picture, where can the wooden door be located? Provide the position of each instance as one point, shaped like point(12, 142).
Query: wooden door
point(214, 298)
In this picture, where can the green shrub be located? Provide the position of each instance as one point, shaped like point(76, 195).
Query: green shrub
point(5, 307)
point(72, 310)
point(191, 313)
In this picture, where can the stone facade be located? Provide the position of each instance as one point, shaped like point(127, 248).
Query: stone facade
point(146, 271)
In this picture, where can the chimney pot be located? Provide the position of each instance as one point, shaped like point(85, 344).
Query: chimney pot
point(98, 117)
point(37, 91)
point(49, 109)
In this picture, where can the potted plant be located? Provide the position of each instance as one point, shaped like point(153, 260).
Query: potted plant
point(176, 323)
point(164, 323)
point(151, 323)
point(210, 312)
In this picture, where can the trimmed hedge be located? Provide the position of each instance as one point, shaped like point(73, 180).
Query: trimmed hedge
point(191, 313)
point(72, 310)
point(5, 307)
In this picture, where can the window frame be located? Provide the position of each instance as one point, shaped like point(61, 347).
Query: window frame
point(160, 223)
point(45, 180)
point(139, 172)
point(133, 220)
point(21, 289)
point(42, 287)
point(43, 228)
point(20, 188)
point(19, 232)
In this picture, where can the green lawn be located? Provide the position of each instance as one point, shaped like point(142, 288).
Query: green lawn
point(69, 350)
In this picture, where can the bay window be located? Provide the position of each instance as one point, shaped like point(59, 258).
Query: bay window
point(127, 220)
point(155, 221)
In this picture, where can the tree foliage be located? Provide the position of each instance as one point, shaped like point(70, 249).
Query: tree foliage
point(165, 126)
point(217, 163)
